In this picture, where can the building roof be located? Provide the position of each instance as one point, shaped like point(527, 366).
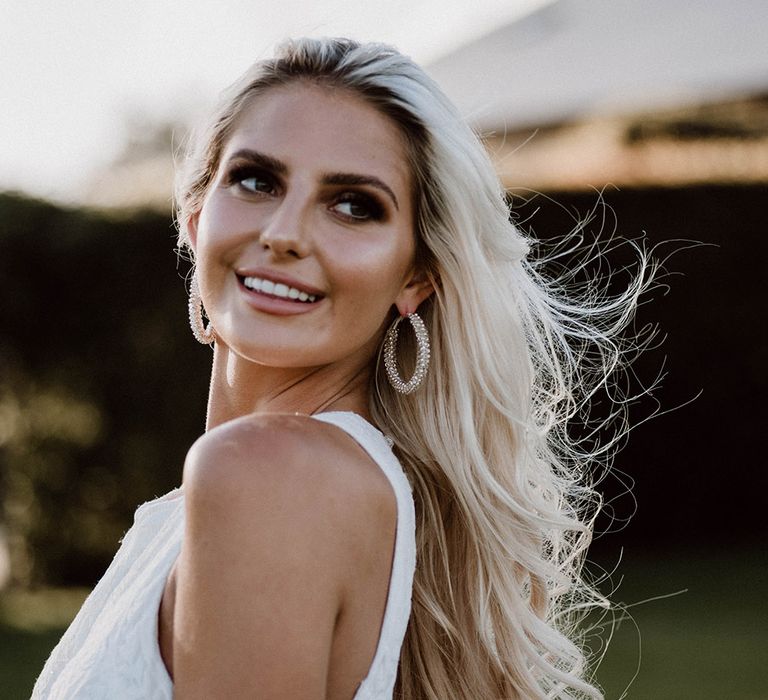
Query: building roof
point(576, 58)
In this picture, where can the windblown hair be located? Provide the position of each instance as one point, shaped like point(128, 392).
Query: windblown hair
point(504, 499)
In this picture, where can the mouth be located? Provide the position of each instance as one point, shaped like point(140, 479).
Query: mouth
point(278, 290)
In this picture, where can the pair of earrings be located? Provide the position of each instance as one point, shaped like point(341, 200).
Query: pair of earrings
point(206, 335)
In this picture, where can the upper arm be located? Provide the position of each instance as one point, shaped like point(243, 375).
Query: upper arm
point(270, 542)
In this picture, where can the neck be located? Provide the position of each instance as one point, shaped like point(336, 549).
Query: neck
point(240, 387)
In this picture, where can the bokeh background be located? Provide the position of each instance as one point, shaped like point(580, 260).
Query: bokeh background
point(647, 119)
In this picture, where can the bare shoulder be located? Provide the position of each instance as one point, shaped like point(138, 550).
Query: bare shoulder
point(310, 463)
point(289, 489)
point(287, 519)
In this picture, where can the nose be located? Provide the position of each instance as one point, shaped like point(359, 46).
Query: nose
point(285, 233)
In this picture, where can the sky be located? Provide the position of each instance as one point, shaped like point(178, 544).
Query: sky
point(75, 74)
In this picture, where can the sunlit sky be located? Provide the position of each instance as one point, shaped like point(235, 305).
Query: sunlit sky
point(74, 74)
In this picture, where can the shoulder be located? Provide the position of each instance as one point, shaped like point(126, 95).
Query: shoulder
point(286, 519)
point(274, 471)
point(278, 450)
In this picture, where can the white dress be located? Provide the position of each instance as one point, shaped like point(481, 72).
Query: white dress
point(111, 648)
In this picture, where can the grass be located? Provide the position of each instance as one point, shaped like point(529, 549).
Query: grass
point(701, 635)
point(31, 624)
point(709, 643)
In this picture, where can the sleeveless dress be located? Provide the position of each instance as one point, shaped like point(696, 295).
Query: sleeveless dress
point(111, 649)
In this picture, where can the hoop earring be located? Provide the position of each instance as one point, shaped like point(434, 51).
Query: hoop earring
point(422, 355)
point(203, 335)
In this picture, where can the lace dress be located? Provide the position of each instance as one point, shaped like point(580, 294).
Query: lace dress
point(111, 649)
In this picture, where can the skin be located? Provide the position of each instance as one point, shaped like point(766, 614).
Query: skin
point(281, 584)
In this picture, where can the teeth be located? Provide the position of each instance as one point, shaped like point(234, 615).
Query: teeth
point(278, 290)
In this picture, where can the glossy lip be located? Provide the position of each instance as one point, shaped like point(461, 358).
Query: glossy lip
point(277, 278)
point(277, 306)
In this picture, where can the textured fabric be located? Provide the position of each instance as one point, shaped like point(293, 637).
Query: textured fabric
point(111, 648)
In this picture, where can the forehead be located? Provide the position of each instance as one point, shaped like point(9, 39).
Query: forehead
point(323, 128)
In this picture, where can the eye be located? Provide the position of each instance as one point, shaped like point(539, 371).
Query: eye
point(358, 207)
point(252, 180)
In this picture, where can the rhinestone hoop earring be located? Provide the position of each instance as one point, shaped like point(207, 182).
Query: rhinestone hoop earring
point(422, 355)
point(202, 334)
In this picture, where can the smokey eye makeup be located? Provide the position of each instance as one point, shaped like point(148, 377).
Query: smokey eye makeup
point(347, 195)
point(358, 206)
point(252, 179)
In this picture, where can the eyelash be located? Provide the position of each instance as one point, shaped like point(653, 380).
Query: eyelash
point(374, 209)
point(239, 174)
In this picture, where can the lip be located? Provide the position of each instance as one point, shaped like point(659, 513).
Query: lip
point(278, 277)
point(276, 306)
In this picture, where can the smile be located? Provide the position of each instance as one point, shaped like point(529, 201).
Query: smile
point(277, 289)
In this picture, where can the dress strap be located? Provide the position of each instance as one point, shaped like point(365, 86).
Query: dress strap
point(380, 681)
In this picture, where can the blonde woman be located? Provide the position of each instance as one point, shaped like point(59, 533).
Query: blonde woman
point(385, 502)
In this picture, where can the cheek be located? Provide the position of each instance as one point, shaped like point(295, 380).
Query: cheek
point(221, 230)
point(371, 271)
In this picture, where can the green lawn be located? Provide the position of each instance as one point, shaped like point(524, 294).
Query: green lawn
point(707, 643)
point(710, 643)
point(30, 626)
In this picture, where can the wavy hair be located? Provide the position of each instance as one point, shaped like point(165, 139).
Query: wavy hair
point(504, 498)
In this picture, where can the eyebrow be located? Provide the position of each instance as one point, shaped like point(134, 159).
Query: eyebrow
point(260, 159)
point(277, 166)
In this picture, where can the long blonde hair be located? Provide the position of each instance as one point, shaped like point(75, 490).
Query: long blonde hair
point(504, 503)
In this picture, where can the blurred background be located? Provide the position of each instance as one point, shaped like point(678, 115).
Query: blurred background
point(643, 118)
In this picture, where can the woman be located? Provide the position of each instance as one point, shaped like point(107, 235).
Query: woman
point(354, 255)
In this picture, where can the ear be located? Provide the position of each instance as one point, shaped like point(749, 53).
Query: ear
point(191, 225)
point(419, 288)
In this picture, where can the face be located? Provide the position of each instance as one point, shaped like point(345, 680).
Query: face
point(305, 239)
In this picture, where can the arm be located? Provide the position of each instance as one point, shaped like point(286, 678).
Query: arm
point(272, 539)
